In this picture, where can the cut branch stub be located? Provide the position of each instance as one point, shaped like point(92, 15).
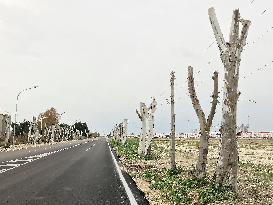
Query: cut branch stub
point(215, 96)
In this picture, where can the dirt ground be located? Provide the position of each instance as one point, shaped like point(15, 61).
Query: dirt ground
point(255, 173)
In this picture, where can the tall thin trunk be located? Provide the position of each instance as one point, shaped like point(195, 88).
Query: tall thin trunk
point(173, 164)
point(205, 125)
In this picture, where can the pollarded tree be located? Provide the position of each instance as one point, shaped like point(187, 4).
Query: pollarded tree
point(205, 124)
point(143, 115)
point(146, 115)
point(124, 131)
point(230, 53)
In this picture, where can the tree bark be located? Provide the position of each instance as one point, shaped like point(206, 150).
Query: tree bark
point(173, 163)
point(124, 133)
point(230, 53)
point(150, 135)
point(146, 115)
point(143, 117)
point(205, 125)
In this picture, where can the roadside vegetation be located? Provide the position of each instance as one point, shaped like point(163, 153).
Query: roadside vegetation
point(163, 185)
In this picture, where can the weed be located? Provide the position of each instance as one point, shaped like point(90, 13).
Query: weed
point(184, 191)
point(129, 149)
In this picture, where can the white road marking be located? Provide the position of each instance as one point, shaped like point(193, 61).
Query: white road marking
point(90, 147)
point(20, 160)
point(2, 170)
point(7, 165)
point(12, 165)
point(28, 159)
point(126, 187)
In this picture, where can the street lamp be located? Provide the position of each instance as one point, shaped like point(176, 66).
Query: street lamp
point(16, 108)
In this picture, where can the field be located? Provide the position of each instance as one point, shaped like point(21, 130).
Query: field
point(162, 185)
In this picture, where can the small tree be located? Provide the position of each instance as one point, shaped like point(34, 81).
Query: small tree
point(49, 117)
point(82, 127)
point(205, 124)
point(230, 53)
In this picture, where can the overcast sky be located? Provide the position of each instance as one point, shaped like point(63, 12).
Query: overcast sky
point(96, 60)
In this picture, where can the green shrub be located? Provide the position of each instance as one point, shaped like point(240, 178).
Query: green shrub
point(130, 149)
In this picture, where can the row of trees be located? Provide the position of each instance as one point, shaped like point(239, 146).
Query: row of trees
point(46, 124)
point(120, 131)
point(230, 54)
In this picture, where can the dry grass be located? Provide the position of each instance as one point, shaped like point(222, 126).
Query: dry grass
point(255, 174)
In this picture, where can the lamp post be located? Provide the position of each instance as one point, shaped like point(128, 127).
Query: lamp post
point(16, 109)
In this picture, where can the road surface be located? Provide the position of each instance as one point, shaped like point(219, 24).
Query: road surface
point(78, 172)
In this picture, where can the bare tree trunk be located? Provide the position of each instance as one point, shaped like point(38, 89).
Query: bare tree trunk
point(151, 126)
point(205, 125)
point(124, 133)
point(173, 164)
point(230, 53)
point(7, 120)
point(143, 117)
point(146, 138)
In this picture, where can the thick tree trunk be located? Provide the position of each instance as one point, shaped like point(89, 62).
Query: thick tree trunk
point(227, 169)
point(149, 136)
point(143, 117)
point(230, 53)
point(124, 133)
point(151, 126)
point(200, 169)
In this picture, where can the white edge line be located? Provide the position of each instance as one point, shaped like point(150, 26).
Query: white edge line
point(126, 187)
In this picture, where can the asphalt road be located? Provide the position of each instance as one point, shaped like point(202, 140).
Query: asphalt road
point(79, 172)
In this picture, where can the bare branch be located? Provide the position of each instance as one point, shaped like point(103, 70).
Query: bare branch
point(217, 30)
point(195, 102)
point(214, 102)
point(153, 106)
point(234, 29)
point(244, 33)
point(140, 117)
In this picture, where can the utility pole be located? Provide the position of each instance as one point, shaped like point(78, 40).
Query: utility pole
point(173, 165)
